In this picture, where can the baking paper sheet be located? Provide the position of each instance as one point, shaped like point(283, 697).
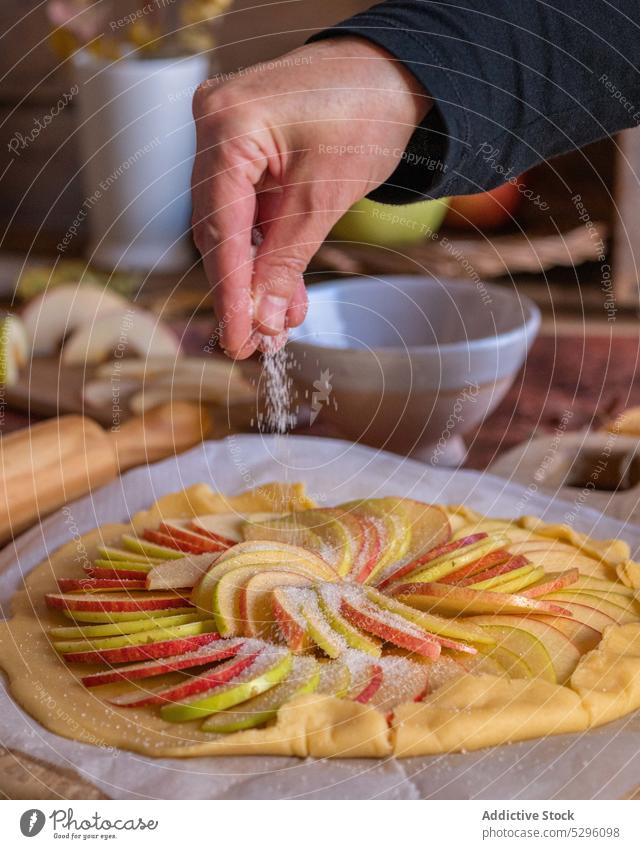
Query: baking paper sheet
point(604, 763)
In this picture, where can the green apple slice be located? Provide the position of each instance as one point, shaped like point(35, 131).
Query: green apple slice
point(272, 665)
point(320, 631)
point(430, 622)
point(287, 530)
point(523, 643)
point(150, 549)
point(329, 601)
point(335, 536)
point(106, 552)
point(303, 678)
point(256, 601)
point(520, 583)
point(155, 635)
point(619, 613)
point(88, 632)
point(125, 565)
point(587, 582)
point(562, 653)
point(513, 665)
point(429, 527)
point(227, 592)
point(99, 616)
point(444, 565)
point(511, 581)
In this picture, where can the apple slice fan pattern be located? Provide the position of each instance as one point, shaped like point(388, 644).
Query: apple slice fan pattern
point(376, 627)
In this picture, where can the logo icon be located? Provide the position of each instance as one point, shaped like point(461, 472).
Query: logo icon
point(32, 822)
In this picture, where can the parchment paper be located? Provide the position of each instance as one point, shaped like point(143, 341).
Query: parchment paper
point(604, 763)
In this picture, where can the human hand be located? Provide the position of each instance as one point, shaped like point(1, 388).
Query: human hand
point(288, 147)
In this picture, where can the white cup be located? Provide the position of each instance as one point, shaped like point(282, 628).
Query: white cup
point(137, 142)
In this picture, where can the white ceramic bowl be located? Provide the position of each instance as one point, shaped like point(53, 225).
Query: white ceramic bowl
point(412, 361)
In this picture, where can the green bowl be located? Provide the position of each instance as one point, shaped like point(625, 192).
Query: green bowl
point(381, 224)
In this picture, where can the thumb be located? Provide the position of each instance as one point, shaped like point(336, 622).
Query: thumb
point(291, 238)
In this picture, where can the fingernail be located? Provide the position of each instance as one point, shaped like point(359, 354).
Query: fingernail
point(272, 310)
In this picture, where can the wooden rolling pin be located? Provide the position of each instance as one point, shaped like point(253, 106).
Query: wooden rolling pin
point(49, 464)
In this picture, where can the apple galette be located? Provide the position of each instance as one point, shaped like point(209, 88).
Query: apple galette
point(261, 624)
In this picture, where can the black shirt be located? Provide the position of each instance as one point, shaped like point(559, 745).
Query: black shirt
point(514, 81)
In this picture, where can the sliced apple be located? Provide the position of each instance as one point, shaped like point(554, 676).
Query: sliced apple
point(147, 651)
point(486, 566)
point(453, 601)
point(553, 554)
point(587, 615)
point(368, 544)
point(552, 582)
point(603, 586)
point(88, 585)
point(448, 563)
point(330, 597)
point(180, 530)
point(584, 637)
point(170, 542)
point(393, 524)
point(96, 571)
point(119, 616)
point(150, 549)
point(526, 572)
point(319, 629)
point(335, 679)
point(402, 681)
point(446, 631)
point(427, 557)
point(510, 662)
point(155, 635)
point(367, 684)
point(127, 329)
point(620, 613)
point(270, 667)
point(338, 544)
point(217, 676)
point(180, 574)
point(107, 552)
point(519, 582)
point(509, 634)
point(228, 591)
point(113, 602)
point(563, 653)
point(255, 603)
point(57, 312)
point(209, 653)
point(227, 527)
point(361, 613)
point(304, 677)
point(114, 629)
point(291, 624)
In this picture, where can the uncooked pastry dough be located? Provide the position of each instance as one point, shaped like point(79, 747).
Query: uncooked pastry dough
point(469, 713)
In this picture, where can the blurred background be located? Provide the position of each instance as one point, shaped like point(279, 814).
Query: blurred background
point(564, 234)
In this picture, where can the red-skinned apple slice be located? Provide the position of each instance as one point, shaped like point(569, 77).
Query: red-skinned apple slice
point(209, 680)
point(586, 615)
point(210, 653)
point(169, 542)
point(453, 601)
point(373, 683)
point(181, 532)
point(453, 562)
point(227, 541)
point(149, 548)
point(115, 629)
point(520, 580)
point(303, 678)
point(180, 574)
point(148, 651)
point(87, 585)
point(112, 603)
point(584, 637)
point(402, 681)
point(116, 617)
point(361, 613)
point(504, 566)
point(428, 557)
point(448, 632)
point(619, 613)
point(256, 600)
point(552, 582)
point(484, 564)
point(289, 621)
point(161, 633)
point(369, 549)
point(330, 597)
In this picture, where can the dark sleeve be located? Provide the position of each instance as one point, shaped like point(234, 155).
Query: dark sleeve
point(515, 82)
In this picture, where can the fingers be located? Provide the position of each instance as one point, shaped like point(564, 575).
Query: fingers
point(291, 239)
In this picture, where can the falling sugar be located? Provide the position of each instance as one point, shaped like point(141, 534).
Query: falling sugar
point(278, 416)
